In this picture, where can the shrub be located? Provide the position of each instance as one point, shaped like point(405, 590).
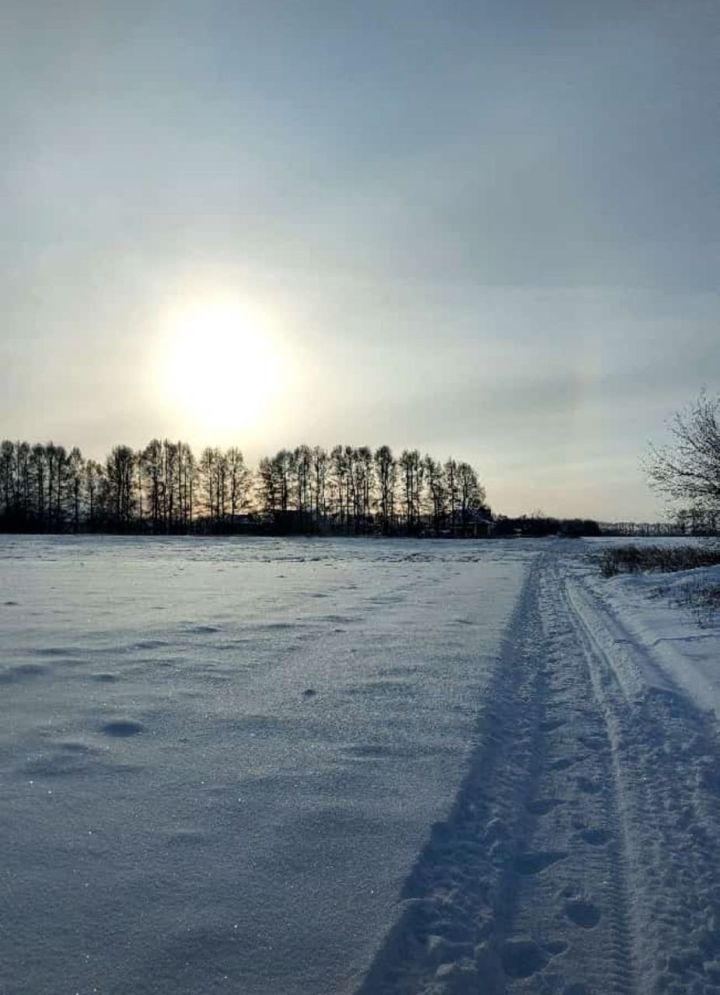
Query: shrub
point(656, 559)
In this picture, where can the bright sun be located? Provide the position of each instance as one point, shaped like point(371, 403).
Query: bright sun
point(221, 367)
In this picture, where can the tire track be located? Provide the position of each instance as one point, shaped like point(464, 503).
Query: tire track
point(584, 900)
point(666, 761)
point(522, 889)
point(581, 854)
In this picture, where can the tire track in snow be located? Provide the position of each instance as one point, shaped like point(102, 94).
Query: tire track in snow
point(581, 854)
point(666, 758)
point(589, 887)
point(522, 888)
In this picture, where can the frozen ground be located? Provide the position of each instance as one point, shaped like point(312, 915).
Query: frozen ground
point(352, 767)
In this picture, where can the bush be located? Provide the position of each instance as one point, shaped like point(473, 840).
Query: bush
point(656, 559)
point(703, 601)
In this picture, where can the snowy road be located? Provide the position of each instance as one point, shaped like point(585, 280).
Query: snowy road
point(581, 855)
point(221, 763)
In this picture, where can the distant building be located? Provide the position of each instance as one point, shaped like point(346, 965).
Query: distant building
point(477, 524)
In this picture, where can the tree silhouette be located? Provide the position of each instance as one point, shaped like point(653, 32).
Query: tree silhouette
point(437, 491)
point(119, 491)
point(411, 468)
point(688, 469)
point(386, 476)
point(238, 477)
point(163, 488)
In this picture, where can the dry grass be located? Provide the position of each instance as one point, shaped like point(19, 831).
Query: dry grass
point(702, 601)
point(657, 559)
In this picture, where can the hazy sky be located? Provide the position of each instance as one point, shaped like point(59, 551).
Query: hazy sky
point(480, 229)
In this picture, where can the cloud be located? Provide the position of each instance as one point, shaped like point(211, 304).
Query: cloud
point(487, 229)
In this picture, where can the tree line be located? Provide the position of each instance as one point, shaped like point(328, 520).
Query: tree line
point(165, 488)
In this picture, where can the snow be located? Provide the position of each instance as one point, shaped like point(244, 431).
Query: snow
point(362, 766)
point(580, 854)
point(220, 758)
point(655, 611)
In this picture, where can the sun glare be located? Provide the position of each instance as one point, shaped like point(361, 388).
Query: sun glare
point(221, 367)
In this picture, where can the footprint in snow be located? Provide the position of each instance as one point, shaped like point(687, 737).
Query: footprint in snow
point(122, 728)
point(589, 787)
point(556, 947)
point(595, 837)
point(582, 913)
point(522, 958)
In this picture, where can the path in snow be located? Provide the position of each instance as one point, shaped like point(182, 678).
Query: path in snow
point(581, 855)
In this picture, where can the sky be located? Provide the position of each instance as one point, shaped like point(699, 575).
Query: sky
point(482, 229)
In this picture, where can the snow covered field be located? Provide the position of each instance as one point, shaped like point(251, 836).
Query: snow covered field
point(363, 766)
point(220, 758)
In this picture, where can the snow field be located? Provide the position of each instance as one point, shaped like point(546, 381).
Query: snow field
point(369, 767)
point(219, 759)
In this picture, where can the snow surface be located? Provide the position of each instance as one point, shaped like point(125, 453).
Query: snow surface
point(580, 855)
point(219, 758)
point(656, 611)
point(363, 766)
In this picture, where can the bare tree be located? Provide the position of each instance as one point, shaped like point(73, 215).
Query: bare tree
point(39, 471)
point(437, 491)
point(359, 466)
point(93, 485)
point(267, 485)
point(276, 478)
point(22, 477)
point(319, 472)
point(453, 493)
point(7, 477)
point(472, 494)
point(120, 486)
point(170, 483)
point(213, 471)
point(187, 473)
point(412, 470)
point(339, 485)
point(62, 485)
point(151, 467)
point(302, 466)
point(688, 468)
point(365, 484)
point(76, 472)
point(284, 468)
point(386, 476)
point(238, 480)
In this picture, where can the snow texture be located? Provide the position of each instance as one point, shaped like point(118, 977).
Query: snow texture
point(219, 759)
point(361, 767)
